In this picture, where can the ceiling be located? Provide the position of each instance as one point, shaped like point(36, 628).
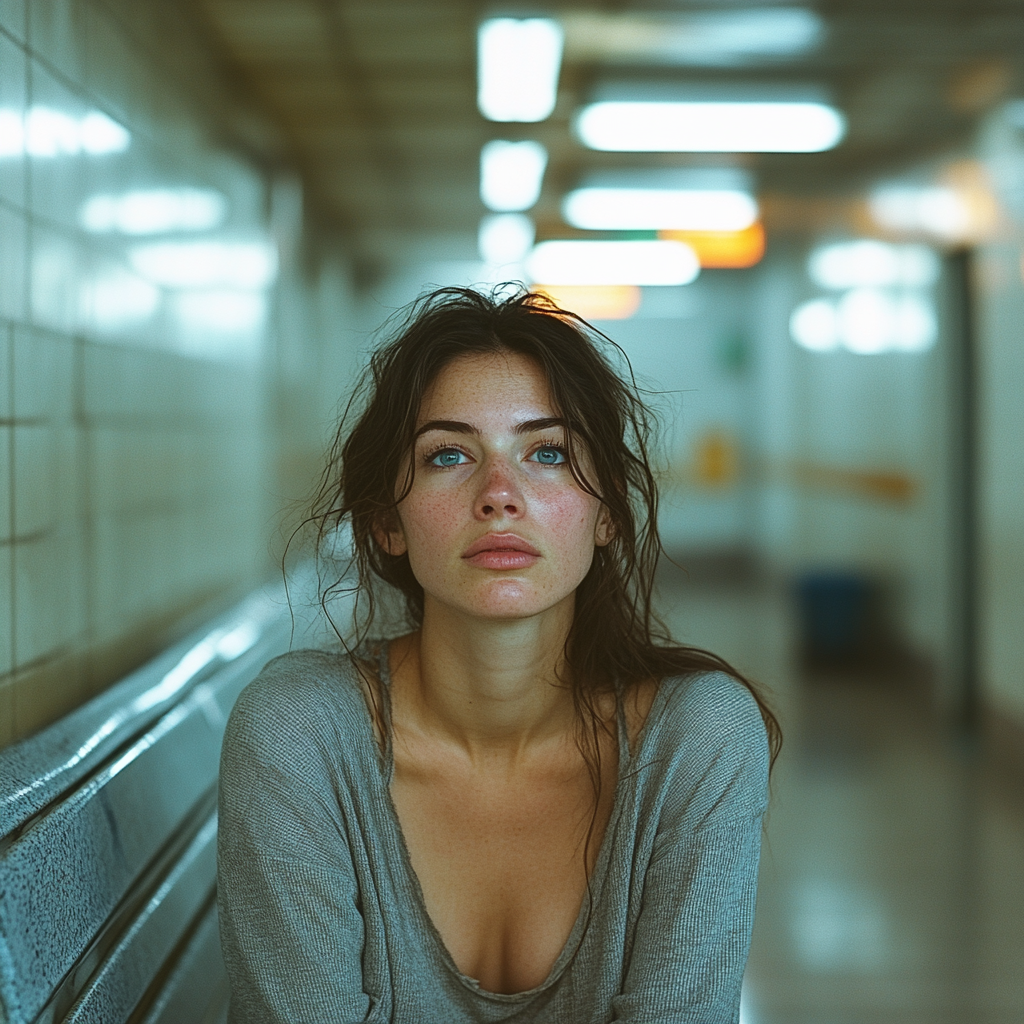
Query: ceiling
point(375, 100)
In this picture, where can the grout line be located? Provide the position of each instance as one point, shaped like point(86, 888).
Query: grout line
point(87, 461)
point(21, 44)
point(12, 590)
point(26, 538)
point(56, 654)
point(27, 298)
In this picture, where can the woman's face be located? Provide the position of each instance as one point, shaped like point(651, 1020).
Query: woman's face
point(495, 525)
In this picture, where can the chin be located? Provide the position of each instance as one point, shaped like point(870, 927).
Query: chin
point(511, 599)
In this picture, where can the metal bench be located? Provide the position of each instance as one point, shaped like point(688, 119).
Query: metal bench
point(108, 824)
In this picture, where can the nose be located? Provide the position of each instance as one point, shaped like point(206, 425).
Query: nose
point(499, 496)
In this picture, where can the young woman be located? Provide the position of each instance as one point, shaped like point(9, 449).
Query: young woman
point(530, 805)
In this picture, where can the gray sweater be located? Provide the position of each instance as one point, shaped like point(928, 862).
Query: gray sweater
point(323, 921)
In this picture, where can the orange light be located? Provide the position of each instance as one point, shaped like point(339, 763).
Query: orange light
point(594, 302)
point(723, 250)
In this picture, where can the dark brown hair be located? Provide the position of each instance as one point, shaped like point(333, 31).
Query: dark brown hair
point(616, 640)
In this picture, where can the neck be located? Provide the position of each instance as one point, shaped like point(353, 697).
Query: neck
point(490, 688)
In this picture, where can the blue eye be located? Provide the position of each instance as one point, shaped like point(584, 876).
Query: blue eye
point(550, 455)
point(447, 457)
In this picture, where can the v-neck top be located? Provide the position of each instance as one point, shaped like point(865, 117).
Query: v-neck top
point(378, 656)
point(322, 917)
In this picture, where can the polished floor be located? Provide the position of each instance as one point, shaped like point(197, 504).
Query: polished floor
point(892, 875)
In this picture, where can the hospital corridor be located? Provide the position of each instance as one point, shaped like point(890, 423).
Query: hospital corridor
point(802, 224)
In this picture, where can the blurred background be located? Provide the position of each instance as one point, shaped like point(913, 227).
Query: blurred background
point(804, 223)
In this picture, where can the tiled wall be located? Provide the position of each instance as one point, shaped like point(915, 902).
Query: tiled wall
point(140, 389)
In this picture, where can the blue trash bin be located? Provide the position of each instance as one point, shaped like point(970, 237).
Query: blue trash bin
point(833, 612)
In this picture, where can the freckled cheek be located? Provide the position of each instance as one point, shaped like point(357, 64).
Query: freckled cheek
point(569, 521)
point(430, 521)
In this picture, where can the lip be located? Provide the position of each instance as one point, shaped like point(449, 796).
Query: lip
point(498, 542)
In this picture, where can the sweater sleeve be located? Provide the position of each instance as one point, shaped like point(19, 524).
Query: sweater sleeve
point(291, 928)
point(693, 932)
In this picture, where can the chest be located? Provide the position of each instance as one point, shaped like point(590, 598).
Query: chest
point(500, 858)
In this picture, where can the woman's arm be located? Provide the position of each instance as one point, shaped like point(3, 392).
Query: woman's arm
point(693, 933)
point(291, 931)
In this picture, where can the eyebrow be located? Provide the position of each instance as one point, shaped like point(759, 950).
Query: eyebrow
point(458, 427)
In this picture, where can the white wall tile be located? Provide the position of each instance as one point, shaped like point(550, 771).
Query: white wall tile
point(6, 518)
point(56, 32)
point(55, 180)
point(56, 277)
point(6, 648)
point(44, 376)
point(49, 595)
point(6, 376)
point(13, 82)
point(12, 17)
point(112, 66)
point(13, 263)
point(36, 481)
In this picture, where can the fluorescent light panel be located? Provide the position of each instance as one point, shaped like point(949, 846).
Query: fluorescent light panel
point(870, 263)
point(936, 210)
point(517, 70)
point(511, 174)
point(866, 321)
point(572, 262)
point(701, 39)
point(613, 209)
point(724, 250)
point(710, 126)
point(505, 238)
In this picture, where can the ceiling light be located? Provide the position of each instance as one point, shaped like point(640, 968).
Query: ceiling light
point(814, 325)
point(724, 250)
point(938, 210)
point(246, 265)
point(599, 263)
point(612, 209)
point(505, 238)
point(866, 321)
point(705, 38)
point(511, 174)
point(595, 302)
point(870, 263)
point(916, 328)
point(517, 71)
point(866, 318)
point(152, 211)
point(710, 126)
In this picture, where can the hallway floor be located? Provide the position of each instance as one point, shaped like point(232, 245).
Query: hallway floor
point(892, 874)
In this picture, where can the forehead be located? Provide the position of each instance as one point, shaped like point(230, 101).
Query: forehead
point(486, 385)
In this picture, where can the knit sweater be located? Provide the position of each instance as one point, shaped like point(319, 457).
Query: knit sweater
point(323, 920)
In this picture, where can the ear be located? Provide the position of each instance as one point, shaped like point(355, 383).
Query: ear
point(388, 533)
point(604, 531)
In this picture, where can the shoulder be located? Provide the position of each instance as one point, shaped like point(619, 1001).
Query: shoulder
point(710, 732)
point(712, 707)
point(300, 700)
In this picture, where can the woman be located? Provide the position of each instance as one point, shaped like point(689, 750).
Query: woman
point(530, 805)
